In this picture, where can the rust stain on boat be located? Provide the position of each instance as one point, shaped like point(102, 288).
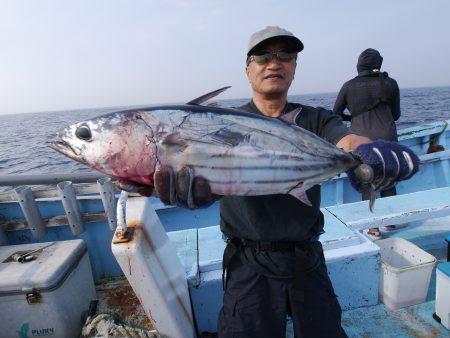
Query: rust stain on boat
point(129, 265)
point(133, 230)
point(116, 296)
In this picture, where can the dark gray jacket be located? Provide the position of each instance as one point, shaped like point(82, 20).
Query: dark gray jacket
point(372, 98)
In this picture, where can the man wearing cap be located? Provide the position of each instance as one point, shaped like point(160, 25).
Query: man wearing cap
point(273, 263)
point(274, 260)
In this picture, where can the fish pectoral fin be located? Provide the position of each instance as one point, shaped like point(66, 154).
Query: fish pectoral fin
point(291, 117)
point(174, 141)
point(206, 97)
point(299, 193)
point(134, 187)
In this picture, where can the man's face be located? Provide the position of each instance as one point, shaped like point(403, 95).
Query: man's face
point(273, 77)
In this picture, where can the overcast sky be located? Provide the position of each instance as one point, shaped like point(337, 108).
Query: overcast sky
point(59, 55)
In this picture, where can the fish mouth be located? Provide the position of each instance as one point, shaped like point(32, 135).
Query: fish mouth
point(66, 149)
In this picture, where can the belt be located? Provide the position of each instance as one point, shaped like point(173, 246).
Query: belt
point(273, 245)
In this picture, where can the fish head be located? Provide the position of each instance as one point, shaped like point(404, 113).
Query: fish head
point(118, 144)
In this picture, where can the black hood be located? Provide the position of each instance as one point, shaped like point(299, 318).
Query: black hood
point(368, 60)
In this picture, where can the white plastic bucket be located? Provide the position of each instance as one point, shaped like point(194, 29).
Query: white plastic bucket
point(405, 273)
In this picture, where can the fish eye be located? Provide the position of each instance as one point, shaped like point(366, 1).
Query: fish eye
point(83, 132)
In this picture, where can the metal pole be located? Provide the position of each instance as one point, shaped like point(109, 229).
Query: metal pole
point(70, 204)
point(30, 211)
point(109, 200)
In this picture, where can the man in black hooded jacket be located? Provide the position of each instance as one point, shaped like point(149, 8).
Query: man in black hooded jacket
point(373, 100)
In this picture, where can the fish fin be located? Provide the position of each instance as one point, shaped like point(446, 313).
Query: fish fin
point(299, 193)
point(372, 199)
point(130, 186)
point(291, 117)
point(206, 97)
point(174, 140)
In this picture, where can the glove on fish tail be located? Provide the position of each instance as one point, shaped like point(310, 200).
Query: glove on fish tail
point(391, 162)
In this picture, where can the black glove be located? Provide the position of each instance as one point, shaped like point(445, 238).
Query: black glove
point(130, 186)
point(182, 188)
point(390, 161)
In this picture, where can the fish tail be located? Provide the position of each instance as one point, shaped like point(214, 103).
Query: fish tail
point(372, 197)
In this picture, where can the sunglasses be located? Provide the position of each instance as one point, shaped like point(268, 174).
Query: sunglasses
point(266, 57)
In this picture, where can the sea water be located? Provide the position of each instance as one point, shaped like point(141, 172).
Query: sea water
point(23, 148)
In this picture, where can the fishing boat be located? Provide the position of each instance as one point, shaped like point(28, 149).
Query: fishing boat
point(77, 254)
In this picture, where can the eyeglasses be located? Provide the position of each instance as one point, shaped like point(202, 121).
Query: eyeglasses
point(266, 57)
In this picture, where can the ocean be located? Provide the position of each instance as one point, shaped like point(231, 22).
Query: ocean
point(23, 148)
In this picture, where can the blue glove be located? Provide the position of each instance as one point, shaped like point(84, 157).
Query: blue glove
point(390, 161)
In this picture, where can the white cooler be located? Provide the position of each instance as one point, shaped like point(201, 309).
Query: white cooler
point(45, 295)
point(443, 293)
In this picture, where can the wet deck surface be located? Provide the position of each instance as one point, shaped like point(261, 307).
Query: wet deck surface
point(379, 321)
point(116, 296)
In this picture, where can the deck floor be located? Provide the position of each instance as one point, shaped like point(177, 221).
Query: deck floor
point(115, 296)
point(414, 321)
point(379, 321)
point(368, 322)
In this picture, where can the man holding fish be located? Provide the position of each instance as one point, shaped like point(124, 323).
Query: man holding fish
point(274, 263)
point(266, 162)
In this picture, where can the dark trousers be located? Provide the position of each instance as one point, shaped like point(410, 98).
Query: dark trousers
point(258, 306)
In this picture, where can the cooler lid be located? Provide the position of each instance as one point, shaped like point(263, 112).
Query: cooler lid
point(51, 263)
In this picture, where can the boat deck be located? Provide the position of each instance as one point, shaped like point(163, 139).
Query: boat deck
point(378, 322)
point(412, 321)
point(116, 296)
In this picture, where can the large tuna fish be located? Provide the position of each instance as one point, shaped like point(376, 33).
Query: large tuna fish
point(237, 152)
